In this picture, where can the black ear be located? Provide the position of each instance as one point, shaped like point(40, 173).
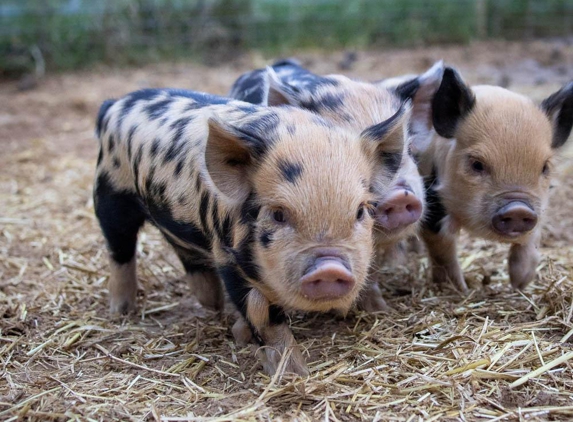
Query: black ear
point(230, 156)
point(559, 108)
point(453, 101)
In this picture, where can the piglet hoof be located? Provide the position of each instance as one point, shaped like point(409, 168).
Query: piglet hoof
point(242, 332)
point(272, 360)
point(442, 275)
point(122, 306)
point(523, 261)
point(371, 300)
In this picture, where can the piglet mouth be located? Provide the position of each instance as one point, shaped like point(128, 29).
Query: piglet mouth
point(327, 278)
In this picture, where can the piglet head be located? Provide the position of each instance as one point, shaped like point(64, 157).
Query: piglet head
point(500, 149)
point(305, 202)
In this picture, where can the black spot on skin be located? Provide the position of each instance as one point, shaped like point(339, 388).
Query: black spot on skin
point(154, 147)
point(328, 101)
point(250, 209)
point(193, 261)
point(244, 258)
point(179, 167)
point(290, 171)
point(177, 144)
point(129, 141)
point(203, 209)
point(197, 181)
point(291, 129)
point(159, 108)
point(162, 217)
point(451, 103)
point(391, 160)
point(110, 144)
point(149, 180)
point(266, 126)
point(266, 238)
point(99, 157)
point(135, 166)
point(116, 162)
point(223, 229)
point(120, 216)
point(276, 315)
point(236, 285)
point(101, 121)
point(435, 211)
point(407, 90)
point(317, 120)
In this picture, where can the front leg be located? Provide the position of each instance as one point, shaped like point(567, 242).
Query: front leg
point(371, 299)
point(271, 331)
point(523, 261)
point(441, 247)
point(266, 323)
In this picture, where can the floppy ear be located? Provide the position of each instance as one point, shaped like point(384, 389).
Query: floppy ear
point(280, 92)
point(230, 156)
point(386, 143)
point(559, 108)
point(452, 102)
point(421, 91)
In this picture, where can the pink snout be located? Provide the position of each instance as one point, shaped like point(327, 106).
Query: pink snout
point(399, 209)
point(327, 278)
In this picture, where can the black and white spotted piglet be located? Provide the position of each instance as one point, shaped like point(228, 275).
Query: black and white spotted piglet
point(273, 201)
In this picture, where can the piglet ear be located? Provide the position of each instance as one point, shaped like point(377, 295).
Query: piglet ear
point(421, 91)
point(386, 143)
point(559, 108)
point(452, 102)
point(230, 156)
point(280, 92)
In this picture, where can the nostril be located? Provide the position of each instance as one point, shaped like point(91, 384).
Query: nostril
point(409, 208)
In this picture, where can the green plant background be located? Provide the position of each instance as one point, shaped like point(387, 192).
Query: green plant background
point(77, 33)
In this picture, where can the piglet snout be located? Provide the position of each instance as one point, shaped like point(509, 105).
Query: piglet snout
point(328, 277)
point(399, 209)
point(514, 219)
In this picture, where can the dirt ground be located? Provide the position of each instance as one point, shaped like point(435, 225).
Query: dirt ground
point(437, 355)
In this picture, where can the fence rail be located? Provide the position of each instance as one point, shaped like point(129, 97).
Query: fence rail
point(75, 33)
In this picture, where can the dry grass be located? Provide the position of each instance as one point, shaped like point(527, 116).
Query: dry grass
point(494, 355)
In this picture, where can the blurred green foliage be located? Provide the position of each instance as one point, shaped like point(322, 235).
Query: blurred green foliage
point(78, 33)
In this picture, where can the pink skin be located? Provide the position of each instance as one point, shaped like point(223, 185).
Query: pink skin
point(327, 278)
point(514, 219)
point(399, 209)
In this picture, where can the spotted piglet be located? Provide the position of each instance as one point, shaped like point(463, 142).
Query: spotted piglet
point(356, 105)
point(488, 171)
point(272, 201)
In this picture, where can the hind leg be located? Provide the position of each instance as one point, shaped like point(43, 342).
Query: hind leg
point(120, 217)
point(203, 279)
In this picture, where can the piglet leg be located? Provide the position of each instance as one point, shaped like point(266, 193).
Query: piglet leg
point(523, 261)
point(122, 287)
point(279, 350)
point(371, 299)
point(443, 258)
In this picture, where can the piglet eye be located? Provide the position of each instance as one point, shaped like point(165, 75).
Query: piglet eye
point(545, 170)
point(279, 216)
point(477, 166)
point(360, 213)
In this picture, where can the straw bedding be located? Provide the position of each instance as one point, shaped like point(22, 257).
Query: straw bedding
point(496, 354)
